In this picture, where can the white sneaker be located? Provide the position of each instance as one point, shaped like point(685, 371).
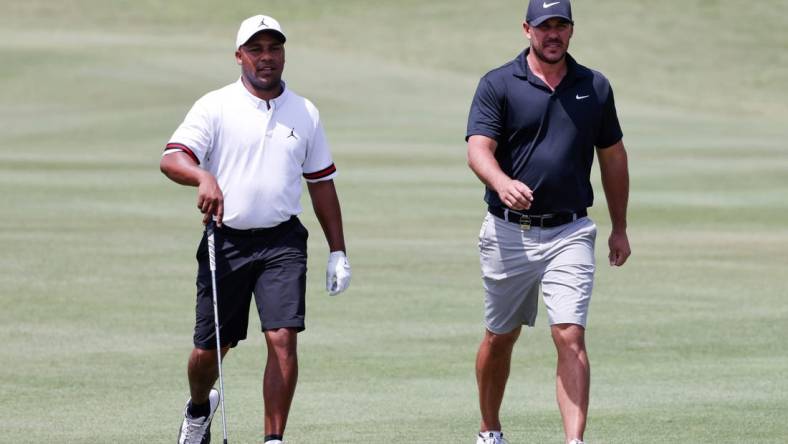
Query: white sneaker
point(490, 439)
point(274, 441)
point(576, 441)
point(198, 430)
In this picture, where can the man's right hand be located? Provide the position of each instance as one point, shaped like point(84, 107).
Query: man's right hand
point(210, 200)
point(183, 169)
point(515, 194)
point(481, 158)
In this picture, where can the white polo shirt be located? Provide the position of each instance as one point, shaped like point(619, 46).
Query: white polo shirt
point(257, 150)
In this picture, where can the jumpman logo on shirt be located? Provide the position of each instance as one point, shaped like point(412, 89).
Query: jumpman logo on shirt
point(292, 134)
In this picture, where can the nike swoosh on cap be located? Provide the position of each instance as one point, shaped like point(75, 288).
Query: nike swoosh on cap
point(546, 5)
point(579, 97)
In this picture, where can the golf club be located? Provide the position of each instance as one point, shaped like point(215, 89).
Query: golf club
point(209, 229)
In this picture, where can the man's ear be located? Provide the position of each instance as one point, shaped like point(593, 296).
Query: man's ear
point(527, 30)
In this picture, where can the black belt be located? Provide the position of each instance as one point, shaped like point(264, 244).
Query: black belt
point(258, 232)
point(527, 221)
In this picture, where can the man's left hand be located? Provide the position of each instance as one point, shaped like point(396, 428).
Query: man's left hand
point(619, 248)
point(337, 273)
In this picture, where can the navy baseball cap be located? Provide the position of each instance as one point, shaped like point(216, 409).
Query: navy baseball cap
point(540, 11)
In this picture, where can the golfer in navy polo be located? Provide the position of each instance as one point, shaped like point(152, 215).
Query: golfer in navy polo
point(534, 125)
point(247, 147)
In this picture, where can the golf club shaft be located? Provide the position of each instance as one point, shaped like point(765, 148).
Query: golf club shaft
point(212, 261)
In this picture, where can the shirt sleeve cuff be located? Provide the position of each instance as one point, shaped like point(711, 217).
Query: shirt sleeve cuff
point(324, 174)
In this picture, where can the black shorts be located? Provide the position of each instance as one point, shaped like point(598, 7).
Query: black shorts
point(269, 263)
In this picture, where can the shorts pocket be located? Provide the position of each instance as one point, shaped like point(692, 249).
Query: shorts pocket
point(483, 230)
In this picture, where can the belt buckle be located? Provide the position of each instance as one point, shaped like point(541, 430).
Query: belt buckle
point(525, 222)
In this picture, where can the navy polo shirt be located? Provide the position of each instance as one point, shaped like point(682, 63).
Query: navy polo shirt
point(546, 138)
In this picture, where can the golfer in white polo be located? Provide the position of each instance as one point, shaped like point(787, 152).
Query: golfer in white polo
point(246, 147)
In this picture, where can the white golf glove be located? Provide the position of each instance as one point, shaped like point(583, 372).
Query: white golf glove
point(337, 273)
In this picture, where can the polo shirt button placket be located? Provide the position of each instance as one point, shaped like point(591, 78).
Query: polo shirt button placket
point(267, 131)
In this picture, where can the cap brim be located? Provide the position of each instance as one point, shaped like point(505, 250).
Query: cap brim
point(276, 33)
point(541, 19)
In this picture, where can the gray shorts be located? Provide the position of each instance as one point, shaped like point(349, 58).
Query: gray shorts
point(516, 263)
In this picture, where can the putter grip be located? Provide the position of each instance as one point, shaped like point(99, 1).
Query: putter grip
point(209, 229)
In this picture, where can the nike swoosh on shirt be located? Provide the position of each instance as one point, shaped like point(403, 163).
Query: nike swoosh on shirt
point(546, 5)
point(579, 97)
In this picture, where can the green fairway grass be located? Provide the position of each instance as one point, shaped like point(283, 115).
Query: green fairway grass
point(687, 341)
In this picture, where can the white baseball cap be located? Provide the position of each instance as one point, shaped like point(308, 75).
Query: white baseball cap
point(255, 24)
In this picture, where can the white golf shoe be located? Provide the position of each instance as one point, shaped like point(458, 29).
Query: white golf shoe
point(576, 441)
point(490, 438)
point(198, 430)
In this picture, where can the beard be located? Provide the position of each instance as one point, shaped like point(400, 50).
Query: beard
point(552, 60)
point(269, 84)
